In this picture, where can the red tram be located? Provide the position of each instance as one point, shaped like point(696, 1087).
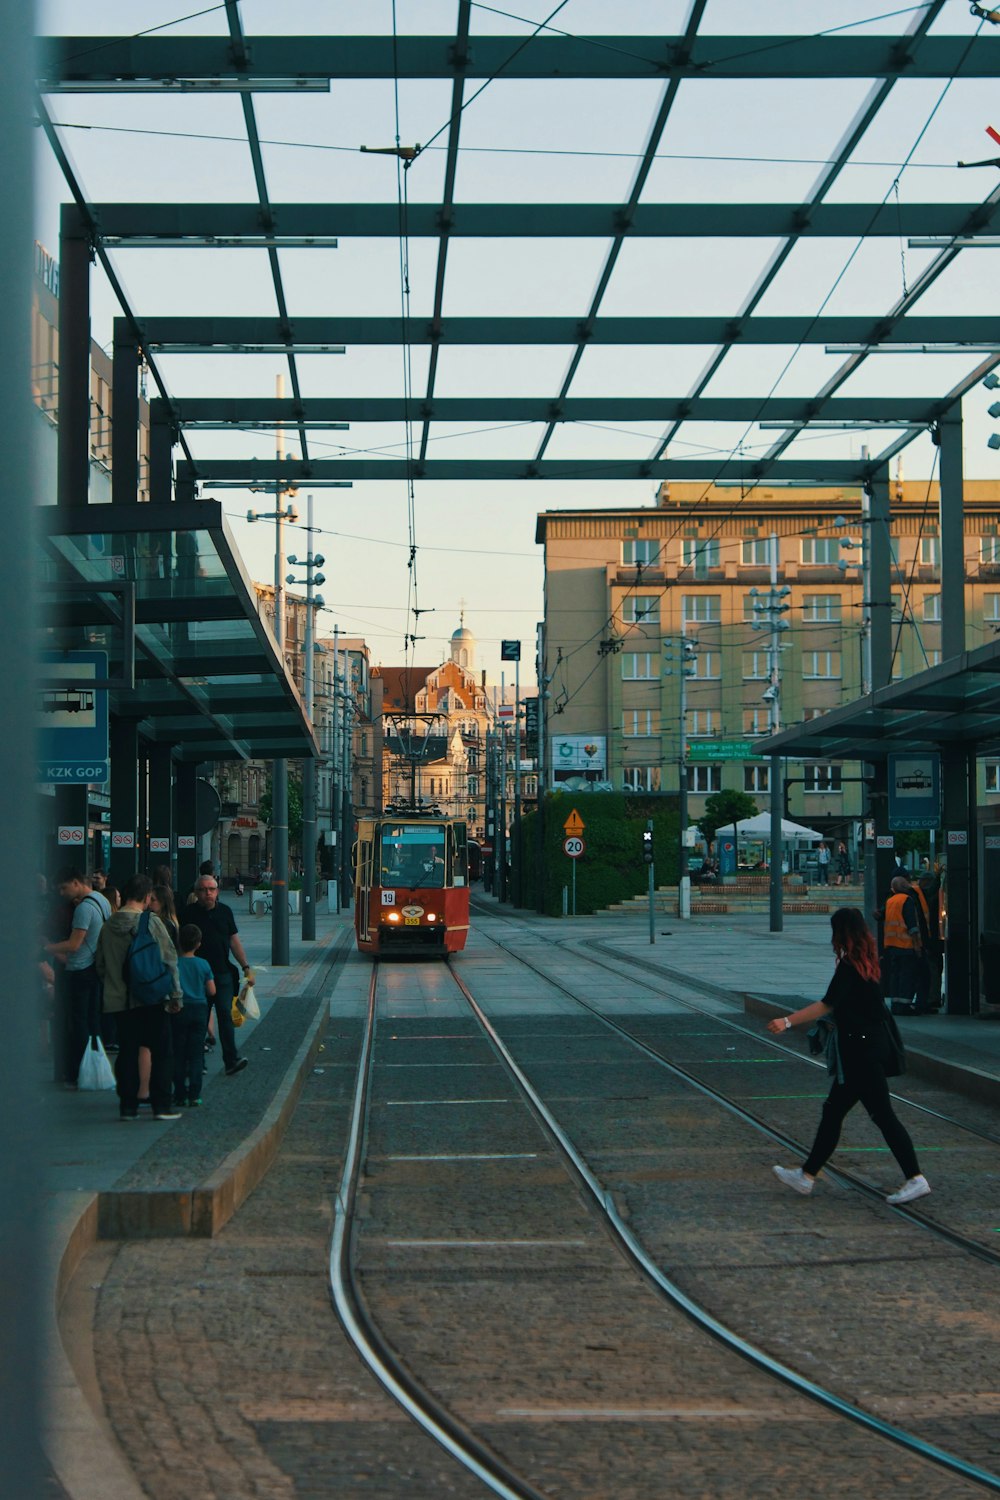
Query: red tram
point(411, 884)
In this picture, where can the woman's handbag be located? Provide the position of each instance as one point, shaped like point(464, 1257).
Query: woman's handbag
point(893, 1056)
point(95, 1070)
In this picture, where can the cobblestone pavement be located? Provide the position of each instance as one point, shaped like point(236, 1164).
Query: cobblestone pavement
point(224, 1372)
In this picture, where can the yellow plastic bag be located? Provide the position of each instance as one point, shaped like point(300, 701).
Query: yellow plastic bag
point(237, 1011)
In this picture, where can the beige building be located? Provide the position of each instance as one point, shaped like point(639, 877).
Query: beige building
point(630, 594)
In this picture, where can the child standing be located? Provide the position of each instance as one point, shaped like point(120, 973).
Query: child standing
point(189, 1024)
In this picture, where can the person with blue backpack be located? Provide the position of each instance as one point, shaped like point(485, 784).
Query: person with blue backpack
point(137, 963)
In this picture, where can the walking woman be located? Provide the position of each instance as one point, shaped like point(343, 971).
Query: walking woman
point(862, 1055)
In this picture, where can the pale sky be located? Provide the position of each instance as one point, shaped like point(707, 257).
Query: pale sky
point(569, 141)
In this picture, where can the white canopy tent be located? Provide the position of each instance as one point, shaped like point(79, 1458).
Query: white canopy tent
point(759, 827)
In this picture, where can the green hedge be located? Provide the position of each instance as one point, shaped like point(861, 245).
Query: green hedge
point(611, 867)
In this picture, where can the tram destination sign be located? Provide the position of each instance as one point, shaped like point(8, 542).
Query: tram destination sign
point(720, 750)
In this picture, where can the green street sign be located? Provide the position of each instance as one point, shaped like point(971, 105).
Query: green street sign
point(720, 750)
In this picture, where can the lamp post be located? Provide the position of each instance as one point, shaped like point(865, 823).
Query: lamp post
point(686, 670)
point(314, 601)
point(772, 608)
point(279, 775)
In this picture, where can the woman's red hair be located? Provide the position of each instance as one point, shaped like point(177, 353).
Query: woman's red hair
point(853, 943)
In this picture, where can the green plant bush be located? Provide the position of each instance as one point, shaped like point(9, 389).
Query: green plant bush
point(611, 868)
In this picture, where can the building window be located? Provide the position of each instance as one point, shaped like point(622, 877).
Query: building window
point(756, 778)
point(640, 553)
point(640, 609)
point(991, 609)
point(930, 551)
point(820, 551)
point(473, 786)
point(933, 658)
point(756, 552)
point(989, 549)
point(756, 667)
point(820, 609)
point(639, 722)
point(700, 555)
point(749, 610)
point(708, 665)
point(992, 769)
point(820, 777)
point(702, 609)
point(641, 778)
point(639, 666)
point(820, 664)
point(702, 721)
point(705, 778)
point(756, 721)
point(813, 713)
point(932, 609)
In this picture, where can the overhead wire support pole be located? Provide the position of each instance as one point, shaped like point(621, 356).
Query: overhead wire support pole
point(776, 882)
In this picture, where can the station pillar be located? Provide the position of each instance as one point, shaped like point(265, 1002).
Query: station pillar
point(73, 472)
point(185, 824)
point(958, 782)
point(123, 738)
point(160, 810)
point(125, 428)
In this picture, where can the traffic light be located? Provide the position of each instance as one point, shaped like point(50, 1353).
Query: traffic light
point(647, 845)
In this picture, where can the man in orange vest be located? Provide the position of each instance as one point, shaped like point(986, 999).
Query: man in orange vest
point(904, 961)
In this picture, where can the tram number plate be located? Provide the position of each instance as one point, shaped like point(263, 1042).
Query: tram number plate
point(411, 921)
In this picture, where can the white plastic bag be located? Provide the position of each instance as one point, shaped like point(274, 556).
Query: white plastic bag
point(95, 1070)
point(248, 1003)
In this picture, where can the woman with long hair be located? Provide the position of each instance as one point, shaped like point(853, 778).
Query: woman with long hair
point(862, 1050)
point(161, 902)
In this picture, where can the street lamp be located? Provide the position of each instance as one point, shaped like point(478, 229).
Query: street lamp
point(687, 668)
point(314, 601)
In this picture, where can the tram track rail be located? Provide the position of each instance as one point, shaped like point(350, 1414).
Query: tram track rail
point(351, 1307)
point(440, 1423)
point(921, 1220)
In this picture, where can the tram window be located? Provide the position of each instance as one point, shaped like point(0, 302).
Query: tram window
point(459, 855)
point(413, 855)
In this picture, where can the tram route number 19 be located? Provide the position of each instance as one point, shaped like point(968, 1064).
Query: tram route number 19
point(574, 847)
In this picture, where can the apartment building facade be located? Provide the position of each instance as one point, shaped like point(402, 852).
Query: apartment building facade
point(634, 598)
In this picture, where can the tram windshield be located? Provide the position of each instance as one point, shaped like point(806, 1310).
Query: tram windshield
point(413, 854)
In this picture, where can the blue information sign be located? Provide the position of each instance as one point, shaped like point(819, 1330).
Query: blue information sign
point(73, 717)
point(914, 791)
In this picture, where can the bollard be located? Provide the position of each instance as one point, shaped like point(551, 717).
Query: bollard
point(565, 901)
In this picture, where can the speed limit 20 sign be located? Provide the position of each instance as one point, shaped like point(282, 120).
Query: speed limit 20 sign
point(574, 847)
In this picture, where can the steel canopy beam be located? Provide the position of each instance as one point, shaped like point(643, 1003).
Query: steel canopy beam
point(201, 222)
point(93, 59)
point(267, 411)
point(266, 334)
point(254, 472)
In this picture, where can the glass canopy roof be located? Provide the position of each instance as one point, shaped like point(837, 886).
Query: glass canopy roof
point(209, 677)
point(956, 702)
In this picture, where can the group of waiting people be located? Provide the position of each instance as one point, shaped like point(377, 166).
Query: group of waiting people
point(159, 1049)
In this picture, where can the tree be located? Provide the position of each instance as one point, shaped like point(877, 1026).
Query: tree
point(294, 809)
point(723, 809)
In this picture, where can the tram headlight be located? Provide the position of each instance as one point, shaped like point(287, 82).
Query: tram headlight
point(392, 916)
point(432, 916)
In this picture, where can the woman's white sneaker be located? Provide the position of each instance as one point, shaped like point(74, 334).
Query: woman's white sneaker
point(915, 1187)
point(794, 1177)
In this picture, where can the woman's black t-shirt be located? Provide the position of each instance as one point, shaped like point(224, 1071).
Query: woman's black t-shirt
point(860, 1015)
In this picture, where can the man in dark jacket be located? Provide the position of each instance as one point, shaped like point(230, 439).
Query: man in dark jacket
point(219, 939)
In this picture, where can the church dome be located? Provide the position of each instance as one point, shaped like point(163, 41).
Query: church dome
point(463, 646)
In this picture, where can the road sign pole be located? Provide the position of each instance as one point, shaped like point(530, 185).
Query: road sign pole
point(652, 887)
point(574, 887)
